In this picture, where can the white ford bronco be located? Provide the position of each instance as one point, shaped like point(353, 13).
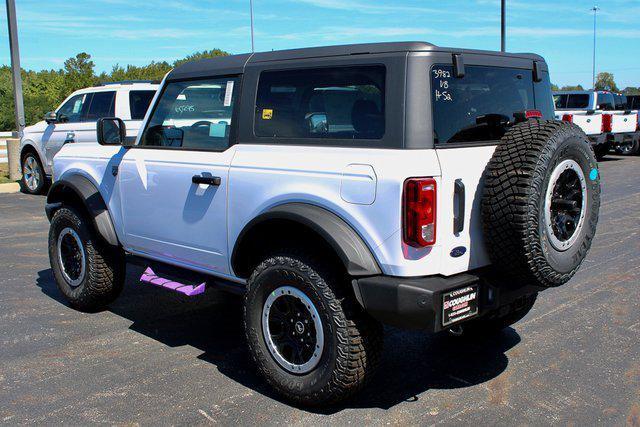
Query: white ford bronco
point(337, 189)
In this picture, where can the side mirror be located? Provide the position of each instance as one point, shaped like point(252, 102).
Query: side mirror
point(111, 131)
point(51, 117)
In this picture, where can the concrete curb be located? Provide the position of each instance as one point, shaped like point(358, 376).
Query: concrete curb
point(11, 187)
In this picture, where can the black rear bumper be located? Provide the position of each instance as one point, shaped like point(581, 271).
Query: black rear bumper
point(416, 302)
point(601, 138)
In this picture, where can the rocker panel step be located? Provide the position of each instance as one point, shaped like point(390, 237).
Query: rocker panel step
point(149, 276)
point(139, 264)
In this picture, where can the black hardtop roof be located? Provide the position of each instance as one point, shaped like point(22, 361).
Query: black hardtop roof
point(234, 64)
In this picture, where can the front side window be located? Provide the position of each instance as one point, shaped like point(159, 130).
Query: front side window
point(334, 103)
point(73, 110)
point(102, 104)
point(139, 101)
point(479, 106)
point(193, 114)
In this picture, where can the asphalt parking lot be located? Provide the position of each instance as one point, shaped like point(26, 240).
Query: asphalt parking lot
point(156, 358)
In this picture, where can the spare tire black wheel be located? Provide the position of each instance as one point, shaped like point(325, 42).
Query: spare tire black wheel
point(541, 202)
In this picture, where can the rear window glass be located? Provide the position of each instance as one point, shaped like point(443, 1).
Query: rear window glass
point(139, 101)
point(333, 103)
point(571, 101)
point(479, 106)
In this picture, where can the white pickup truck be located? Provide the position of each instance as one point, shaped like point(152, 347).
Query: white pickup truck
point(625, 127)
point(602, 115)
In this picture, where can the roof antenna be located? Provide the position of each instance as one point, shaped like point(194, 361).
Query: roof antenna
point(503, 26)
point(251, 13)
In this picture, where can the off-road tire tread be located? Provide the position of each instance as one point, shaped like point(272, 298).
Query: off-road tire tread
point(514, 179)
point(359, 337)
point(105, 264)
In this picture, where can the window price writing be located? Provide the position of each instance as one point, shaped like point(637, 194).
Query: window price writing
point(441, 85)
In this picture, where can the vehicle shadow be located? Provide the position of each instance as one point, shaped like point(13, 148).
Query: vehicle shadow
point(412, 363)
point(611, 158)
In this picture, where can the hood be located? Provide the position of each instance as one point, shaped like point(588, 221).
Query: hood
point(38, 127)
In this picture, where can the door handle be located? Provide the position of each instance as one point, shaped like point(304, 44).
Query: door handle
point(206, 180)
point(458, 197)
point(71, 136)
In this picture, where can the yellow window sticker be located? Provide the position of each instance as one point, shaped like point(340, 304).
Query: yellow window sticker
point(267, 114)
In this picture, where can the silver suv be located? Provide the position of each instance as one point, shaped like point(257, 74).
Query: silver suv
point(75, 121)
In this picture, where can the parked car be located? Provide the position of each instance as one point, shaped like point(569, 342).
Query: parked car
point(75, 121)
point(603, 116)
point(627, 140)
point(587, 110)
point(623, 125)
point(337, 188)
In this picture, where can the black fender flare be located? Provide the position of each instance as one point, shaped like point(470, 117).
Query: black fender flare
point(348, 245)
point(92, 200)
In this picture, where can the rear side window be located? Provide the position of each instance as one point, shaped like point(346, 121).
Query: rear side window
point(102, 105)
point(605, 102)
point(479, 106)
point(572, 101)
point(620, 102)
point(634, 102)
point(333, 103)
point(139, 101)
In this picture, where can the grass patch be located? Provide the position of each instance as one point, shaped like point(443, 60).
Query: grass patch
point(4, 173)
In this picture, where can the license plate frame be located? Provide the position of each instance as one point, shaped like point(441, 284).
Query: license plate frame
point(460, 304)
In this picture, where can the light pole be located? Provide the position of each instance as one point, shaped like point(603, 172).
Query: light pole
point(251, 13)
point(595, 14)
point(15, 66)
point(503, 26)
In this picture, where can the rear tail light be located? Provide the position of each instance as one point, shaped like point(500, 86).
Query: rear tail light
point(638, 122)
point(606, 122)
point(419, 212)
point(522, 116)
point(567, 118)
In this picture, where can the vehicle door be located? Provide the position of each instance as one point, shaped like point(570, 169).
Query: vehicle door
point(470, 115)
point(63, 130)
point(173, 182)
point(101, 104)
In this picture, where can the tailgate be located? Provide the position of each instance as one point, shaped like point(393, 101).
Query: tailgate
point(591, 124)
point(624, 122)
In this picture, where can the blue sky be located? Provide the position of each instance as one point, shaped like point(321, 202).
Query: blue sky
point(138, 31)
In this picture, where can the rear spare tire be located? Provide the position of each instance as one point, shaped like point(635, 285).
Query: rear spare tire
point(540, 203)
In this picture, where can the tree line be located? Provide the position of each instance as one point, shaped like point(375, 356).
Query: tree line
point(604, 81)
point(44, 90)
